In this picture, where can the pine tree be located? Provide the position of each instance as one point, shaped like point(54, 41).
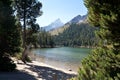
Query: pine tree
point(27, 11)
point(104, 62)
point(10, 39)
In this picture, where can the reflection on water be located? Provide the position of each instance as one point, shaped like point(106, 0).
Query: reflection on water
point(63, 57)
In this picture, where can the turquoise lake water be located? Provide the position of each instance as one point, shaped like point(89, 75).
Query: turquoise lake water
point(62, 57)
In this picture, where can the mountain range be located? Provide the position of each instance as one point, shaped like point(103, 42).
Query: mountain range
point(76, 32)
point(76, 20)
point(58, 23)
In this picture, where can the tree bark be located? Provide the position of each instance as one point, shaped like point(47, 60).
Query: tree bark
point(24, 54)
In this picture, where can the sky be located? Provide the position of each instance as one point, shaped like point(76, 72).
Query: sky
point(65, 10)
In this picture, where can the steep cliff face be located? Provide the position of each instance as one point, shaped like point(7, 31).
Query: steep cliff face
point(54, 25)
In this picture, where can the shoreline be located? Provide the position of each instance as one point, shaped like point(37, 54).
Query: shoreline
point(37, 69)
point(64, 66)
point(53, 67)
point(89, 47)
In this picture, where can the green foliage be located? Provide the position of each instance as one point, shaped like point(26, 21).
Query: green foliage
point(106, 15)
point(104, 62)
point(28, 11)
point(10, 39)
point(31, 33)
point(45, 39)
point(101, 64)
point(77, 35)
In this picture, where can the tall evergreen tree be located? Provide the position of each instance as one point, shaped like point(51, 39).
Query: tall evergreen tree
point(32, 35)
point(104, 62)
point(10, 39)
point(27, 12)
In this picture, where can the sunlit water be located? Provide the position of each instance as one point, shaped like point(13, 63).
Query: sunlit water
point(63, 57)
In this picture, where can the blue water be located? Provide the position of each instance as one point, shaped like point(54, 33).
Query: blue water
point(63, 57)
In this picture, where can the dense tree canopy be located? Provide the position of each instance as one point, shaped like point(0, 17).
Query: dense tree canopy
point(10, 39)
point(45, 39)
point(77, 35)
point(106, 14)
point(27, 11)
point(104, 62)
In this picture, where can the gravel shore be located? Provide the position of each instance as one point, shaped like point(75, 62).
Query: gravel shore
point(37, 71)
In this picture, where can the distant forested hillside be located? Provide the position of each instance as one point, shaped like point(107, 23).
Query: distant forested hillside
point(44, 39)
point(77, 35)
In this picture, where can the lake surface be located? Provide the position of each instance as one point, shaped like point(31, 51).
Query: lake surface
point(62, 57)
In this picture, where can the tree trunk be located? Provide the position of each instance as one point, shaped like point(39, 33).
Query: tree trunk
point(24, 26)
point(24, 54)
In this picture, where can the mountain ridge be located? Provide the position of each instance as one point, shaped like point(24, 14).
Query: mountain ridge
point(54, 25)
point(77, 35)
point(76, 20)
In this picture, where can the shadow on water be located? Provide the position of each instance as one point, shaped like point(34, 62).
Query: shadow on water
point(16, 75)
point(47, 73)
